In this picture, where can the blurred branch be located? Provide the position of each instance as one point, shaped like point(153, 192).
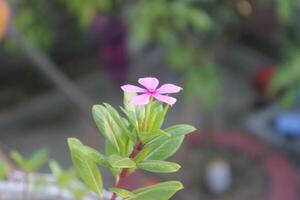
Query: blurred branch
point(43, 64)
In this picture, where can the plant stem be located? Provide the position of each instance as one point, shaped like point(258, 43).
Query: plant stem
point(124, 172)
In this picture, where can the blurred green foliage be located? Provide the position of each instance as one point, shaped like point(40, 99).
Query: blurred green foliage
point(33, 19)
point(4, 169)
point(85, 11)
point(286, 81)
point(187, 30)
point(33, 162)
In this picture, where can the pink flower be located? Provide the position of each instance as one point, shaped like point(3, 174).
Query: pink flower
point(151, 90)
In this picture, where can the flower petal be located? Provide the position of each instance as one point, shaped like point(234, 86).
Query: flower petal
point(140, 99)
point(165, 99)
point(149, 82)
point(132, 88)
point(168, 88)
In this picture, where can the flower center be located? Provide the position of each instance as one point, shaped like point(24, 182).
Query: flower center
point(151, 91)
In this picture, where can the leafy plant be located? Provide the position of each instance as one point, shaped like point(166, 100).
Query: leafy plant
point(134, 142)
point(33, 162)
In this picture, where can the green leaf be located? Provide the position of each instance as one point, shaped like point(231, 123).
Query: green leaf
point(285, 10)
point(180, 129)
point(63, 177)
point(110, 148)
point(131, 118)
point(158, 166)
point(96, 156)
point(85, 166)
point(161, 191)
point(55, 168)
point(122, 192)
point(108, 127)
point(120, 122)
point(4, 169)
point(121, 162)
point(18, 159)
point(148, 136)
point(159, 120)
point(160, 148)
point(163, 146)
point(126, 101)
point(38, 159)
point(33, 163)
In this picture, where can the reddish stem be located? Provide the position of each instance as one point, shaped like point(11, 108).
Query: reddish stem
point(124, 173)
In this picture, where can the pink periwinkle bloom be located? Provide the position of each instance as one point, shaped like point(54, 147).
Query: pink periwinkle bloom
point(151, 90)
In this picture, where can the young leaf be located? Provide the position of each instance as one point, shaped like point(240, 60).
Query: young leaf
point(122, 192)
point(160, 191)
point(159, 120)
point(156, 110)
point(121, 162)
point(120, 122)
point(106, 126)
point(131, 118)
point(85, 166)
point(158, 166)
point(126, 101)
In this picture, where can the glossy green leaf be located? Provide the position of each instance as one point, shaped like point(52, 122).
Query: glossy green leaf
point(161, 191)
point(85, 166)
point(121, 162)
point(158, 166)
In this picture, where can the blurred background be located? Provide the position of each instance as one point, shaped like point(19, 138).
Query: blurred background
point(237, 60)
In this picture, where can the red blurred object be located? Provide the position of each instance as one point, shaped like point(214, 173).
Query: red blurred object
point(263, 78)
